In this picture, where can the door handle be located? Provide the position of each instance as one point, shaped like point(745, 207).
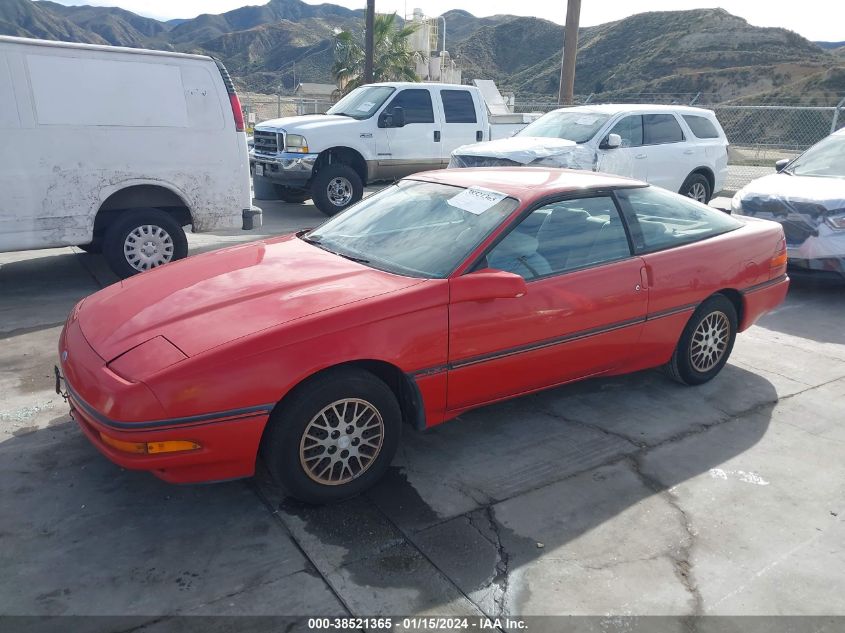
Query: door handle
point(436, 136)
point(640, 156)
point(688, 151)
point(479, 135)
point(644, 282)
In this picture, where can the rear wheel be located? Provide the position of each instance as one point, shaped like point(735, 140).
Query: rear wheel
point(697, 187)
point(706, 342)
point(334, 437)
point(335, 187)
point(142, 239)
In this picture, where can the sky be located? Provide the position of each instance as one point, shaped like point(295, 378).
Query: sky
point(818, 20)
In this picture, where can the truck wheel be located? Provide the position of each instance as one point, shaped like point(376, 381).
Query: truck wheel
point(696, 187)
point(334, 436)
point(142, 239)
point(335, 187)
point(291, 194)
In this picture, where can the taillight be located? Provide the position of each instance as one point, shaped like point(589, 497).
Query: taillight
point(233, 96)
point(237, 112)
point(777, 266)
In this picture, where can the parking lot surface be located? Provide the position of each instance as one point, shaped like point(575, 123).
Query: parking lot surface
point(624, 496)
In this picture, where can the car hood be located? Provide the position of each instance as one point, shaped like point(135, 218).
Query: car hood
point(302, 124)
point(520, 149)
point(782, 193)
point(208, 300)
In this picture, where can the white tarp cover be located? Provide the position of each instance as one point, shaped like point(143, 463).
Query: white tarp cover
point(539, 151)
point(806, 208)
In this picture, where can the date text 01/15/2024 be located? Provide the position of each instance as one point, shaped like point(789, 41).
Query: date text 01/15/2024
point(417, 623)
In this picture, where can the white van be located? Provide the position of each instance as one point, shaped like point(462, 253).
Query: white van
point(118, 149)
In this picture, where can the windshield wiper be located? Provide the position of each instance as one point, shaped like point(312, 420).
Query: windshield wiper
point(316, 241)
point(360, 260)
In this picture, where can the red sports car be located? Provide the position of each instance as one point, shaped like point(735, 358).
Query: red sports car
point(443, 292)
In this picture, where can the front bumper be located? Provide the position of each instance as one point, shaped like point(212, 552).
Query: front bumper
point(293, 170)
point(228, 441)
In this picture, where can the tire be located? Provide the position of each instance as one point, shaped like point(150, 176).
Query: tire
point(292, 195)
point(93, 248)
point(339, 177)
point(293, 449)
point(697, 187)
point(166, 241)
point(692, 363)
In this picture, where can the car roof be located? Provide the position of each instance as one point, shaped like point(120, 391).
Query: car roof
point(527, 183)
point(420, 84)
point(615, 108)
point(26, 41)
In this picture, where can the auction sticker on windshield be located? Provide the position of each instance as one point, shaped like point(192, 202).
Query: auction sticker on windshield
point(476, 199)
point(365, 107)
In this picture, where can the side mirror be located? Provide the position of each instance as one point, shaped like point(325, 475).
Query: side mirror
point(611, 142)
point(486, 284)
point(398, 116)
point(781, 164)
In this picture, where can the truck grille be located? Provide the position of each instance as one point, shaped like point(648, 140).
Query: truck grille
point(266, 142)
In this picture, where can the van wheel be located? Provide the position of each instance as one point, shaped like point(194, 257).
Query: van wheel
point(142, 239)
point(334, 437)
point(706, 342)
point(696, 187)
point(292, 195)
point(335, 187)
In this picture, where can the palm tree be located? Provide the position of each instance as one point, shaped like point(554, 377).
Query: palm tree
point(393, 59)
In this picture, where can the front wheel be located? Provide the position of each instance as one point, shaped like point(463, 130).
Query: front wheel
point(335, 187)
point(142, 239)
point(696, 187)
point(334, 437)
point(706, 342)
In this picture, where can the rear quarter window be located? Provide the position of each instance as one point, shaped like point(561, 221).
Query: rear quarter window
point(458, 106)
point(661, 128)
point(660, 219)
point(701, 126)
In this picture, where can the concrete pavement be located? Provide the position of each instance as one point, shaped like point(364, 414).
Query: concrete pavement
point(623, 496)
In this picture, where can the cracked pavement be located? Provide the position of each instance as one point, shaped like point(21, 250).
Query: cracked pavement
point(621, 496)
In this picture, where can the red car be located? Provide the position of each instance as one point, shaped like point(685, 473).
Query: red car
point(447, 291)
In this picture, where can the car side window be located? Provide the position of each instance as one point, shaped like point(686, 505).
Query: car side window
point(661, 128)
point(458, 106)
point(563, 236)
point(660, 219)
point(630, 129)
point(417, 106)
point(701, 126)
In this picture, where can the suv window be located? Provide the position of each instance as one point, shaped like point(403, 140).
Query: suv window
point(563, 236)
point(417, 105)
point(631, 130)
point(701, 126)
point(661, 128)
point(661, 219)
point(458, 106)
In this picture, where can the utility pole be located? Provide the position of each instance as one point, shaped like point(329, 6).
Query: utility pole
point(369, 41)
point(570, 50)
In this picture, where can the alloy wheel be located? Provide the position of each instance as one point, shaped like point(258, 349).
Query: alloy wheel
point(698, 192)
point(709, 341)
point(341, 442)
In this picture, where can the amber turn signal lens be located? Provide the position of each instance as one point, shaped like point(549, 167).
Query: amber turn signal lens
point(779, 260)
point(150, 448)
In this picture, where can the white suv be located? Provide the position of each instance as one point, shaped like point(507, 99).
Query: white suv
point(679, 148)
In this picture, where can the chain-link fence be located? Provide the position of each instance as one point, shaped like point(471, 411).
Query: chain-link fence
point(262, 107)
point(759, 135)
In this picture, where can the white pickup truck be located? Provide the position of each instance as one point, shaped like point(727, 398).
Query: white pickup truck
point(377, 132)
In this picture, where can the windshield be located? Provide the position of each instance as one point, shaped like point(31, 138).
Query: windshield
point(574, 125)
point(826, 159)
point(413, 228)
point(362, 102)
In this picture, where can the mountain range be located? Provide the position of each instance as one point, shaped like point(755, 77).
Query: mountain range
point(267, 48)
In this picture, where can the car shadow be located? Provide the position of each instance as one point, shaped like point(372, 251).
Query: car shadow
point(485, 496)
